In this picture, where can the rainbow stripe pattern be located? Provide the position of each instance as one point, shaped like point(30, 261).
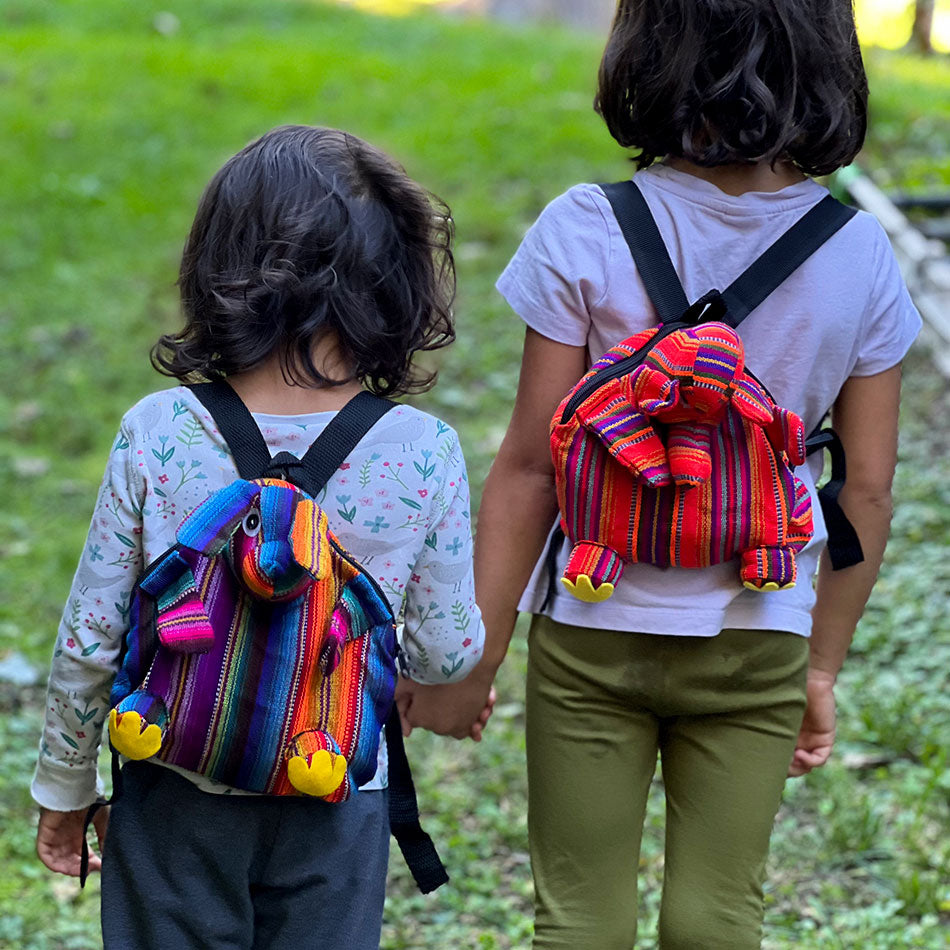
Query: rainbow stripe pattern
point(260, 648)
point(679, 459)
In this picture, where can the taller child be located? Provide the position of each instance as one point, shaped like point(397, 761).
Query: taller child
point(731, 106)
point(315, 269)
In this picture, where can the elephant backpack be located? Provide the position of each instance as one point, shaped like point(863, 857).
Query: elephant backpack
point(260, 652)
point(671, 452)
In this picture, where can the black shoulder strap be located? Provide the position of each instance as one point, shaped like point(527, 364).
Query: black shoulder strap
point(649, 252)
point(844, 546)
point(328, 451)
point(784, 257)
point(342, 434)
point(751, 287)
point(236, 425)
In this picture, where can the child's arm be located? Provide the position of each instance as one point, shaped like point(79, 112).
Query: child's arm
point(443, 633)
point(865, 416)
point(518, 507)
point(84, 663)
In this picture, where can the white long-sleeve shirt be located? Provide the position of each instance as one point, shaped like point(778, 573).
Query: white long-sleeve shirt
point(399, 504)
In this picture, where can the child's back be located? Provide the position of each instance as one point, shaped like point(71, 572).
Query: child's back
point(733, 689)
point(315, 268)
point(843, 312)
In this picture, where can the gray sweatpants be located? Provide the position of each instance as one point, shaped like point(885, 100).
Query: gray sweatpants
point(188, 870)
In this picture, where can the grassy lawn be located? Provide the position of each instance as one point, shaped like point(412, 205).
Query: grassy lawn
point(116, 117)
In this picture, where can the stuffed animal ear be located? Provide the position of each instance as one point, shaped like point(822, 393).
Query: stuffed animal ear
point(181, 619)
point(787, 434)
point(626, 432)
point(209, 527)
point(308, 538)
point(752, 401)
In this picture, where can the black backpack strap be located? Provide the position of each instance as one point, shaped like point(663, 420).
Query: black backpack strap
point(844, 546)
point(784, 257)
point(649, 252)
point(236, 425)
point(91, 813)
point(417, 848)
point(342, 434)
point(751, 287)
point(328, 451)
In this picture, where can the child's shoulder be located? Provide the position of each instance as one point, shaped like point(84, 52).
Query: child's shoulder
point(581, 203)
point(160, 408)
point(405, 424)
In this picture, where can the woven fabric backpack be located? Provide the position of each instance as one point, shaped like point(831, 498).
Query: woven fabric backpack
point(671, 452)
point(261, 653)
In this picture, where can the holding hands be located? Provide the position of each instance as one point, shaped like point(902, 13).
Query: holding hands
point(460, 710)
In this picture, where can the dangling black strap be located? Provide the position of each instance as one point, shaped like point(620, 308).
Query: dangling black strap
point(550, 565)
point(751, 287)
point(844, 546)
point(91, 813)
point(417, 848)
point(328, 451)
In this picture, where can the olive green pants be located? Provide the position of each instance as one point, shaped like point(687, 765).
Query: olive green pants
point(722, 712)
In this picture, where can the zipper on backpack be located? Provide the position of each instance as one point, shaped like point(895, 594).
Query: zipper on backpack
point(708, 309)
point(620, 368)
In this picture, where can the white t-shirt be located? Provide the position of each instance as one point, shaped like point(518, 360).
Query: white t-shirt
point(845, 312)
point(399, 504)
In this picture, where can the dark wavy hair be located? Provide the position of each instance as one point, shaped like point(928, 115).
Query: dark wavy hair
point(309, 231)
point(720, 82)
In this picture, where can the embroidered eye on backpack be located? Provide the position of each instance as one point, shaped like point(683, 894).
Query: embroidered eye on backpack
point(261, 653)
point(670, 452)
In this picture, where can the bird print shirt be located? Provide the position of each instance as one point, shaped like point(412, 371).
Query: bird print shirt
point(399, 504)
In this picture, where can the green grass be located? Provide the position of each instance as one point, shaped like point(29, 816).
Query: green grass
point(909, 145)
point(112, 130)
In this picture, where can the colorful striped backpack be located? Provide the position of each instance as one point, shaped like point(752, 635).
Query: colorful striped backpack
point(671, 452)
point(261, 653)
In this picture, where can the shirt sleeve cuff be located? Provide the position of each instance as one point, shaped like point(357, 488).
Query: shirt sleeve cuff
point(64, 789)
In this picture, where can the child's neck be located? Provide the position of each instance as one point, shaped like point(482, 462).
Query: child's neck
point(264, 389)
point(738, 179)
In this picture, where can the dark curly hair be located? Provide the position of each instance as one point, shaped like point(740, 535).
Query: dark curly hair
point(309, 231)
point(720, 82)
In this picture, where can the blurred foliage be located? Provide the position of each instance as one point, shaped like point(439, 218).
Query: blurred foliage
point(887, 23)
point(908, 148)
point(116, 115)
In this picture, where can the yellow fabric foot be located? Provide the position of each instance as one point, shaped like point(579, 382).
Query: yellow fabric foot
point(322, 775)
point(131, 737)
point(768, 585)
point(584, 589)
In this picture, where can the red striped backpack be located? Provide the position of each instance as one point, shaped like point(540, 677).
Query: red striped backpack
point(260, 652)
point(671, 452)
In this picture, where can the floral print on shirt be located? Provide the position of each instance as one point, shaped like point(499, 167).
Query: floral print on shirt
point(399, 504)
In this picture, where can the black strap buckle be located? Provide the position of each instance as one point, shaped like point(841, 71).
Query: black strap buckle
point(709, 307)
point(282, 465)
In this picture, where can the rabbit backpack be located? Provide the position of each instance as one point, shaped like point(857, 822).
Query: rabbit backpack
point(261, 653)
point(670, 452)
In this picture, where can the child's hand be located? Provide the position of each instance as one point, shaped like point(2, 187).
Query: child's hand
point(817, 734)
point(59, 839)
point(461, 710)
